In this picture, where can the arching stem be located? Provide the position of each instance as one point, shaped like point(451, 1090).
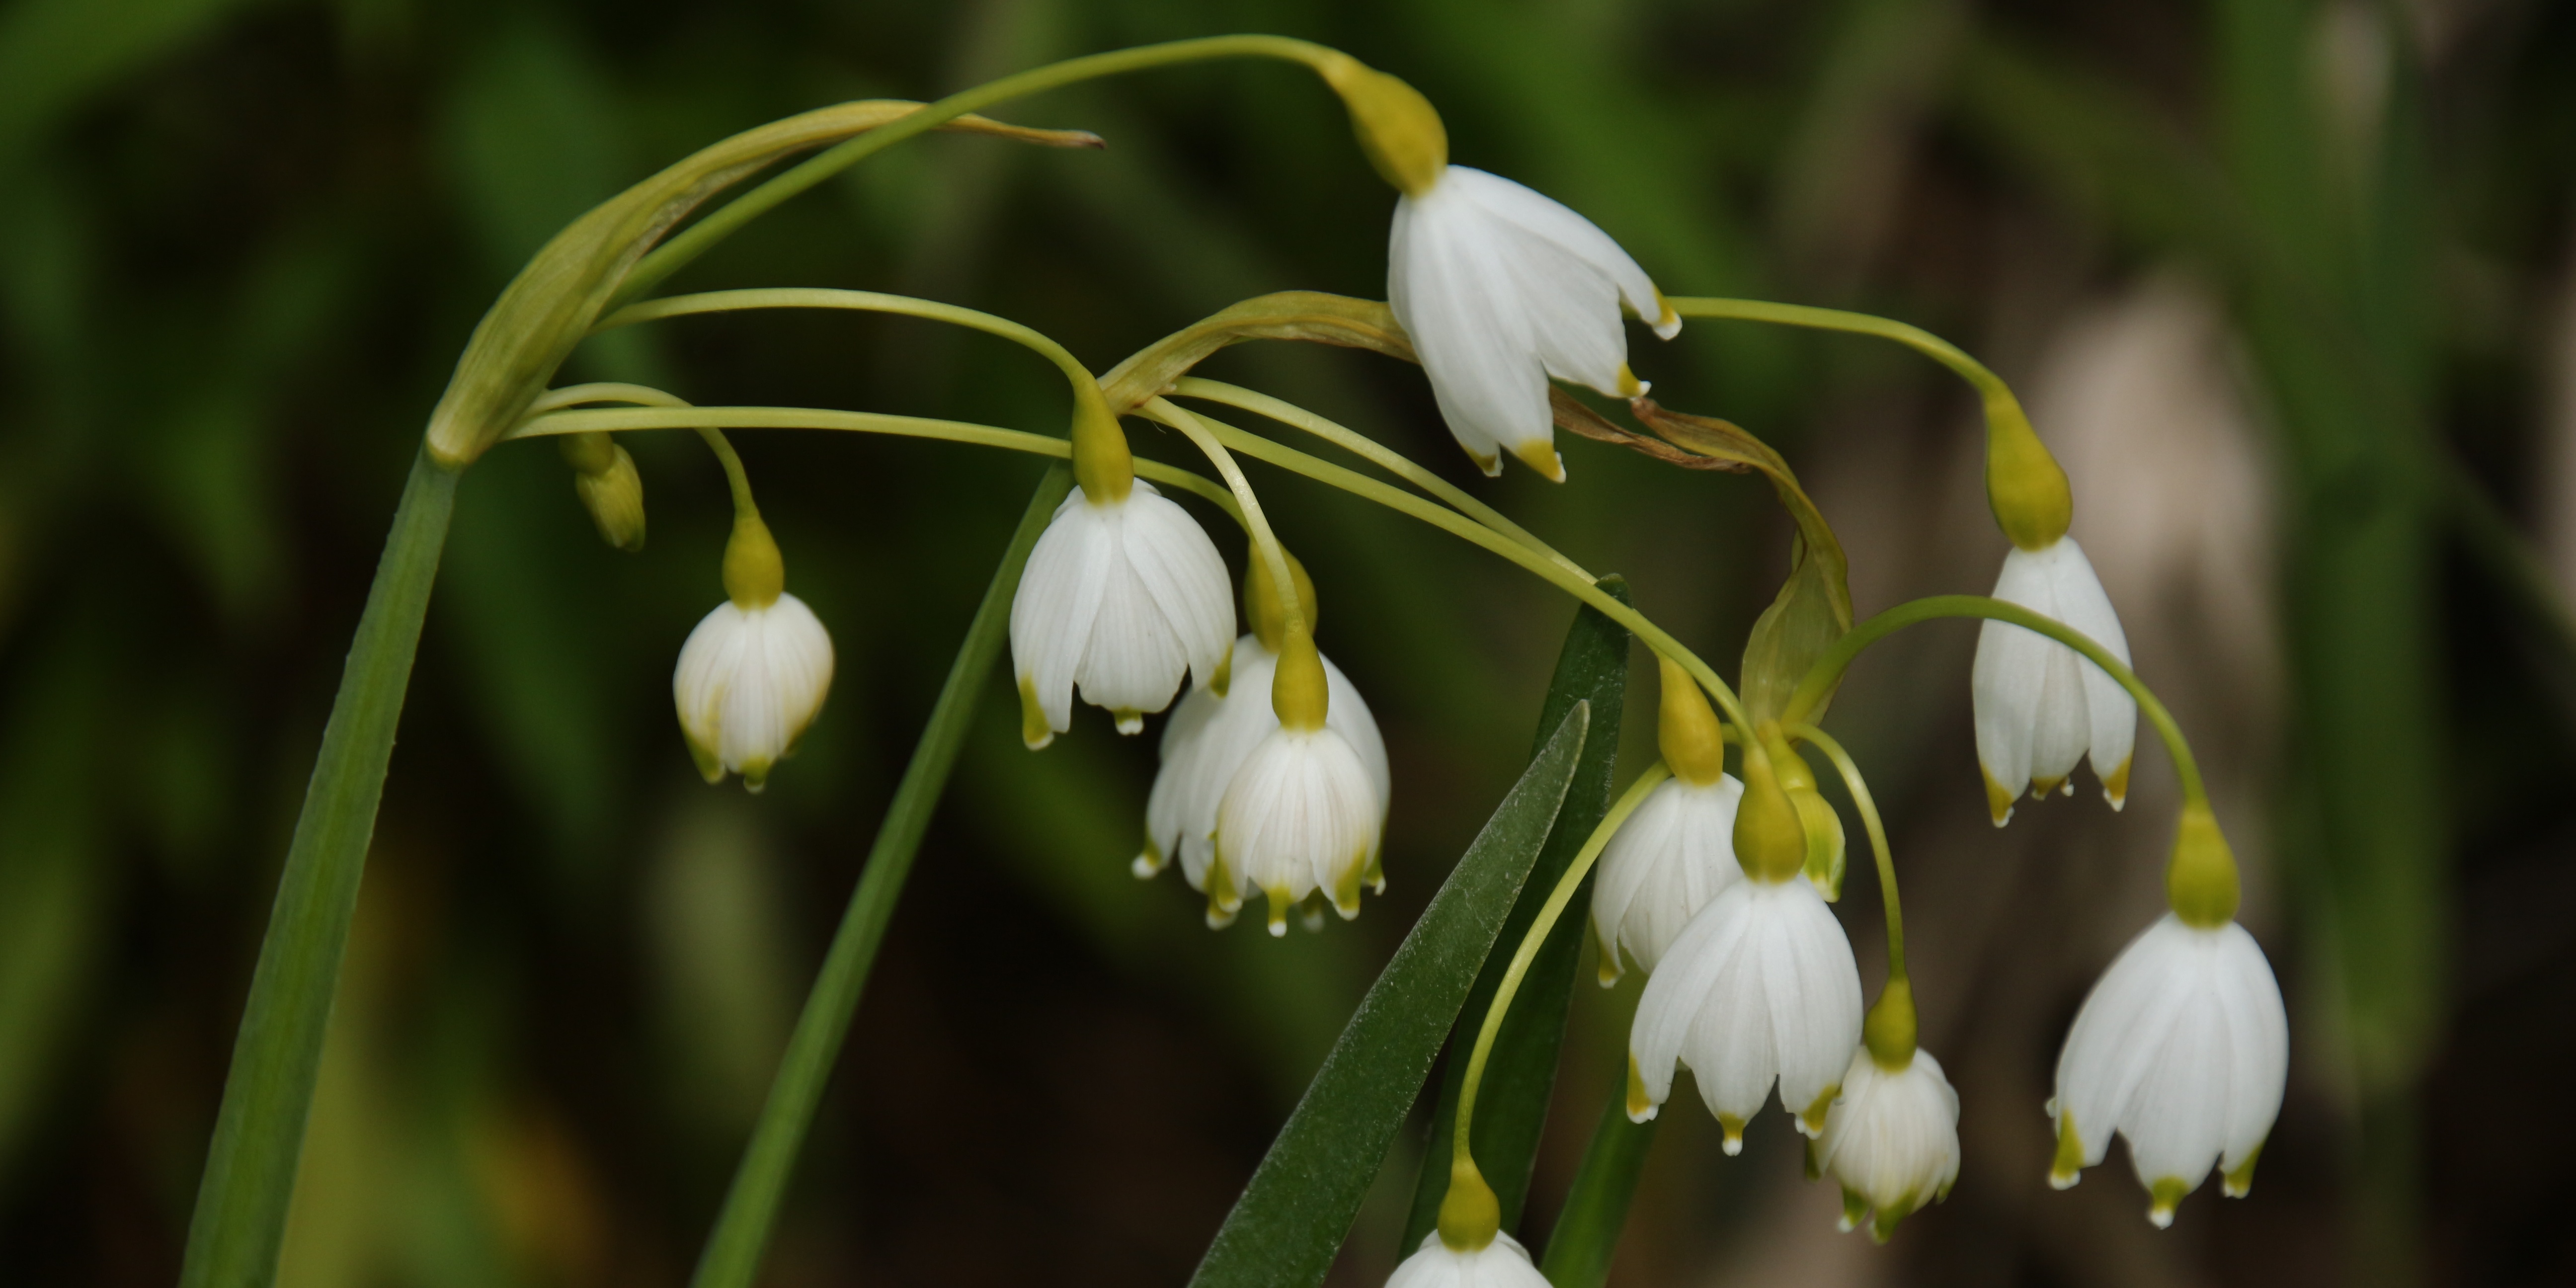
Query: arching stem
point(1869, 822)
point(1828, 669)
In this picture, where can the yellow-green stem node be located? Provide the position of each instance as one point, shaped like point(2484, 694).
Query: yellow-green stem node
point(1399, 131)
point(1889, 1032)
point(1101, 462)
point(2024, 484)
point(1770, 842)
point(1687, 732)
point(754, 574)
point(1297, 691)
point(1262, 604)
point(2200, 881)
point(1470, 1216)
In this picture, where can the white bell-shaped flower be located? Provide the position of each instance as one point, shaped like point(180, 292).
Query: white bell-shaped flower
point(1502, 288)
point(1759, 987)
point(1661, 867)
point(1207, 741)
point(754, 672)
point(1891, 1142)
point(1503, 1263)
point(749, 681)
point(2040, 706)
point(2183, 1048)
point(1121, 597)
point(1303, 813)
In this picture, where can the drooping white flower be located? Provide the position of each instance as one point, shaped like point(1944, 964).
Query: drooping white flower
point(749, 681)
point(1759, 987)
point(2040, 706)
point(1302, 814)
point(2183, 1047)
point(1891, 1142)
point(1208, 739)
point(1502, 288)
point(1120, 597)
point(1662, 866)
point(1503, 1263)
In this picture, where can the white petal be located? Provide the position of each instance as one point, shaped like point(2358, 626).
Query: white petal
point(1814, 995)
point(1186, 577)
point(2258, 1036)
point(2112, 715)
point(749, 681)
point(2112, 1047)
point(1448, 286)
point(1680, 987)
point(1893, 1138)
point(1058, 599)
point(1663, 865)
point(1504, 1263)
point(1576, 235)
point(1299, 815)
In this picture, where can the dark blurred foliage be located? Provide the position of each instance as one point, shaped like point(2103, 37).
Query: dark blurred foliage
point(2269, 273)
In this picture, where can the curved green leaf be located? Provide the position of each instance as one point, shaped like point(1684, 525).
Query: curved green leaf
point(1292, 1216)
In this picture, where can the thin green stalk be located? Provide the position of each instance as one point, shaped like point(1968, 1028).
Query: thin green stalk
point(1869, 820)
point(1529, 946)
point(864, 422)
point(1986, 382)
point(1459, 525)
point(1376, 453)
point(240, 1219)
point(1255, 522)
point(733, 1251)
point(1828, 670)
point(810, 297)
point(671, 255)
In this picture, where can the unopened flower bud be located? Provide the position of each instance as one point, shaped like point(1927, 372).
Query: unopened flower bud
point(1686, 730)
point(1826, 846)
point(605, 479)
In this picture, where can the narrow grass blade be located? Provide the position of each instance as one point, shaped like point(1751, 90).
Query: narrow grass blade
point(1596, 1208)
point(1292, 1217)
point(733, 1251)
point(1520, 1072)
point(240, 1220)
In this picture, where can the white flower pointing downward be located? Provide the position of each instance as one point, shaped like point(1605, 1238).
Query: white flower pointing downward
point(1207, 742)
point(1303, 813)
point(1891, 1142)
point(2183, 1048)
point(1121, 597)
point(1502, 288)
point(754, 673)
point(2040, 706)
point(1760, 986)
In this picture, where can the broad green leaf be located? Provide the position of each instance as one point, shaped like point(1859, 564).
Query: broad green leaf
point(1300, 1202)
point(1520, 1072)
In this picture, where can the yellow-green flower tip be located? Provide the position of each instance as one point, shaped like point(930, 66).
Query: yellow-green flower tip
point(1732, 1128)
point(710, 765)
point(1398, 129)
point(1811, 1120)
point(1280, 903)
point(2201, 882)
point(1540, 454)
point(1035, 733)
point(1686, 729)
point(1129, 720)
point(1999, 798)
point(754, 573)
point(1262, 604)
point(2238, 1181)
point(1470, 1215)
point(1641, 1107)
point(755, 776)
point(2067, 1167)
point(2115, 785)
point(1148, 862)
point(1855, 1206)
point(2163, 1197)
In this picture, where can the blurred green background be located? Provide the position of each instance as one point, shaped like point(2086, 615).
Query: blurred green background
point(2287, 285)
